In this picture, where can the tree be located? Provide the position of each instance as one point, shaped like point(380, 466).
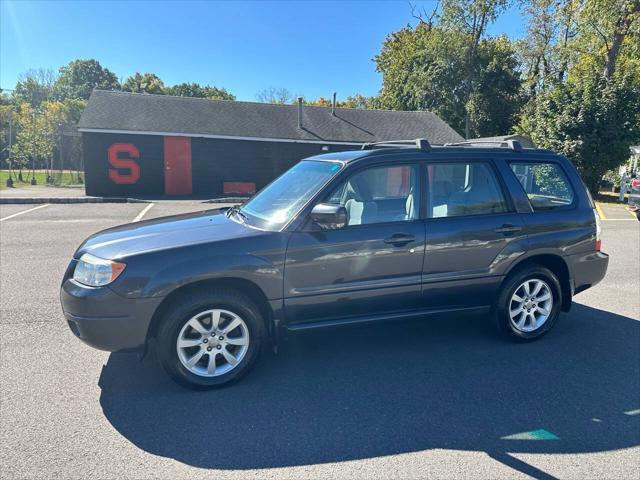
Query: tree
point(275, 95)
point(609, 37)
point(35, 86)
point(7, 130)
point(592, 122)
point(495, 104)
point(360, 101)
point(352, 101)
point(38, 132)
point(80, 77)
point(72, 109)
point(471, 17)
point(29, 136)
point(621, 19)
point(144, 83)
point(423, 69)
point(584, 82)
point(545, 53)
point(196, 90)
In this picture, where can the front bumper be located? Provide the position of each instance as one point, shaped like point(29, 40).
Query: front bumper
point(105, 320)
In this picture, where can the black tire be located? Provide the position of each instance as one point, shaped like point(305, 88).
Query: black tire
point(193, 303)
point(509, 287)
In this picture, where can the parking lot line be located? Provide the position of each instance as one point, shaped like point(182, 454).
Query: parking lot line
point(24, 211)
point(619, 219)
point(600, 212)
point(142, 213)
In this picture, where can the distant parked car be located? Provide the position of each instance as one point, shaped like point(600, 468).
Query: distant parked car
point(390, 232)
point(634, 196)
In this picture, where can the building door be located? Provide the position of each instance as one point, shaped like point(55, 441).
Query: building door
point(177, 166)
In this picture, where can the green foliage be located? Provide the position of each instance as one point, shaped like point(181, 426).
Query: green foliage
point(80, 77)
point(613, 177)
point(582, 70)
point(472, 16)
point(495, 104)
point(37, 132)
point(201, 91)
point(72, 110)
point(144, 83)
point(608, 39)
point(423, 69)
point(35, 87)
point(352, 101)
point(592, 122)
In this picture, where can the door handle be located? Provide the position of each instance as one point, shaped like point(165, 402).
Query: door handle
point(399, 239)
point(508, 229)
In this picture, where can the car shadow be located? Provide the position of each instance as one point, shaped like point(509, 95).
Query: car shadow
point(354, 393)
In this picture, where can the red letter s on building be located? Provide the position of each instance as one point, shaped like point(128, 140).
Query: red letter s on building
point(118, 163)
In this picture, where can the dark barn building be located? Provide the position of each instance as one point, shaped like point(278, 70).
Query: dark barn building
point(138, 144)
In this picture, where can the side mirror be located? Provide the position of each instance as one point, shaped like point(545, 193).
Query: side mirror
point(329, 216)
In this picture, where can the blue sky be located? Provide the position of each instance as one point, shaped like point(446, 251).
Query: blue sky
point(311, 48)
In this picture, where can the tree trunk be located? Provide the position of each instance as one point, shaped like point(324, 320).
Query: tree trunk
point(619, 32)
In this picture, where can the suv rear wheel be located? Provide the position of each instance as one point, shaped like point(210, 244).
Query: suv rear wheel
point(529, 303)
point(210, 339)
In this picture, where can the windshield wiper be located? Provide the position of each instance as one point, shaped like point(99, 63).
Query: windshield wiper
point(236, 209)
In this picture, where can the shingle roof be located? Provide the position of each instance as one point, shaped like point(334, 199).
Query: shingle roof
point(109, 110)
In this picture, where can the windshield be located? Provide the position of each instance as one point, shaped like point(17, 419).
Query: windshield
point(276, 204)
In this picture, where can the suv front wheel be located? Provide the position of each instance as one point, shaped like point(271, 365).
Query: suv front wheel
point(210, 339)
point(529, 303)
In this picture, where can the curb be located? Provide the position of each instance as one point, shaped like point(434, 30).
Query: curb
point(37, 200)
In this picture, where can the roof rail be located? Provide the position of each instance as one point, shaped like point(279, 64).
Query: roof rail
point(419, 143)
point(514, 145)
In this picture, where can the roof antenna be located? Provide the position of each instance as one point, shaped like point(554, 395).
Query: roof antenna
point(300, 112)
point(333, 105)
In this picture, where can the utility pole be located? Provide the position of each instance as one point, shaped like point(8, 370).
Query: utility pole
point(33, 148)
point(10, 180)
point(61, 140)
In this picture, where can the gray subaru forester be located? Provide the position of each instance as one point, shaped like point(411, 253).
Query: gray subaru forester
point(396, 231)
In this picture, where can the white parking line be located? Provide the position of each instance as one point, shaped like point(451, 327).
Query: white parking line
point(24, 211)
point(619, 219)
point(142, 213)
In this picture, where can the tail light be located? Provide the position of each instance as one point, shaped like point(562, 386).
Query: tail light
point(598, 230)
point(635, 182)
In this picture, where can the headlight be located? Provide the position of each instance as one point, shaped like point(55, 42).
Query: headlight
point(96, 272)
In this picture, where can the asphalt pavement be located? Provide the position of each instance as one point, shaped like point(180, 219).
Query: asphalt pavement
point(437, 399)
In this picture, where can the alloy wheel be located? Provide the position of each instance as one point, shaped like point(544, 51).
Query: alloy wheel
point(212, 342)
point(530, 306)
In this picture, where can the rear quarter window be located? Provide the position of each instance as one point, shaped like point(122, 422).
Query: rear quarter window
point(546, 184)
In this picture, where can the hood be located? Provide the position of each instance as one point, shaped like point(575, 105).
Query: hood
point(164, 233)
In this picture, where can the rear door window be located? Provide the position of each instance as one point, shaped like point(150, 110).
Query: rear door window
point(546, 184)
point(463, 188)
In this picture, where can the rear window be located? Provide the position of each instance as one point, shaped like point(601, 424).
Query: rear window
point(460, 189)
point(545, 183)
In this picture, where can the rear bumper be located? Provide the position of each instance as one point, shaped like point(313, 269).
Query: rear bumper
point(105, 320)
point(587, 270)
